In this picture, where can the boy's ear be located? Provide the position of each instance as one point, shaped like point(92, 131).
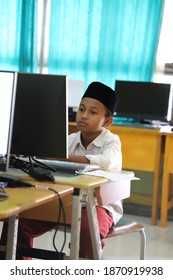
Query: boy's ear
point(108, 121)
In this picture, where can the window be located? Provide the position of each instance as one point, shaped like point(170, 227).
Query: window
point(165, 50)
point(165, 47)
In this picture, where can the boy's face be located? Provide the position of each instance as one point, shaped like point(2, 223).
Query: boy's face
point(90, 116)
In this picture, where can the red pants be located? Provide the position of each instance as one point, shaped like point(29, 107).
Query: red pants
point(29, 229)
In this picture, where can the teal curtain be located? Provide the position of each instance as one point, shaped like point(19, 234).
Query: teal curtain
point(18, 35)
point(104, 40)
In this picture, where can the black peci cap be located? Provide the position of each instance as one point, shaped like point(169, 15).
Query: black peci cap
point(104, 94)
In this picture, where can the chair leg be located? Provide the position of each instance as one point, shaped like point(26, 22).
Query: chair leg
point(143, 244)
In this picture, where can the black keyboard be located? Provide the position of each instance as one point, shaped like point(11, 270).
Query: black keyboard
point(138, 125)
point(68, 167)
point(43, 169)
point(14, 181)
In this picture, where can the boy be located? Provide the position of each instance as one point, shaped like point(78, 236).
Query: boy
point(94, 144)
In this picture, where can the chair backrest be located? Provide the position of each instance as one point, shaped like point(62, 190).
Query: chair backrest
point(113, 191)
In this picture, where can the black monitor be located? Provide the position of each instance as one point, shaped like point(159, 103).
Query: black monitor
point(143, 100)
point(40, 126)
point(7, 98)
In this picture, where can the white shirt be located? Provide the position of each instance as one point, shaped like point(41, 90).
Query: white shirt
point(104, 151)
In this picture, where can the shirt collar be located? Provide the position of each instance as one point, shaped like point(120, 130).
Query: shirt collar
point(97, 141)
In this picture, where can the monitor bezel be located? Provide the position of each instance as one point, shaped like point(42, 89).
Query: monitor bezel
point(21, 131)
point(4, 165)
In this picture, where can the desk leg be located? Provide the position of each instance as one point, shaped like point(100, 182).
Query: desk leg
point(155, 199)
point(94, 228)
point(75, 225)
point(164, 201)
point(12, 237)
point(156, 182)
point(78, 199)
point(164, 198)
point(165, 204)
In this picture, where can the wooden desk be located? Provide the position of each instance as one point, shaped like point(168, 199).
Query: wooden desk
point(141, 150)
point(84, 187)
point(166, 201)
point(22, 199)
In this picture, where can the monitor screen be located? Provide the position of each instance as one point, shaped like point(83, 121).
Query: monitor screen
point(143, 100)
point(7, 98)
point(40, 126)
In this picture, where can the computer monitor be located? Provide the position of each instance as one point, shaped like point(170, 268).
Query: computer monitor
point(7, 99)
point(40, 126)
point(75, 93)
point(143, 100)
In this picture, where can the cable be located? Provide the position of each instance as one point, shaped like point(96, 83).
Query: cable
point(44, 164)
point(61, 208)
point(30, 160)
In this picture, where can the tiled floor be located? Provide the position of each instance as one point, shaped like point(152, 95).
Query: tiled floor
point(159, 242)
